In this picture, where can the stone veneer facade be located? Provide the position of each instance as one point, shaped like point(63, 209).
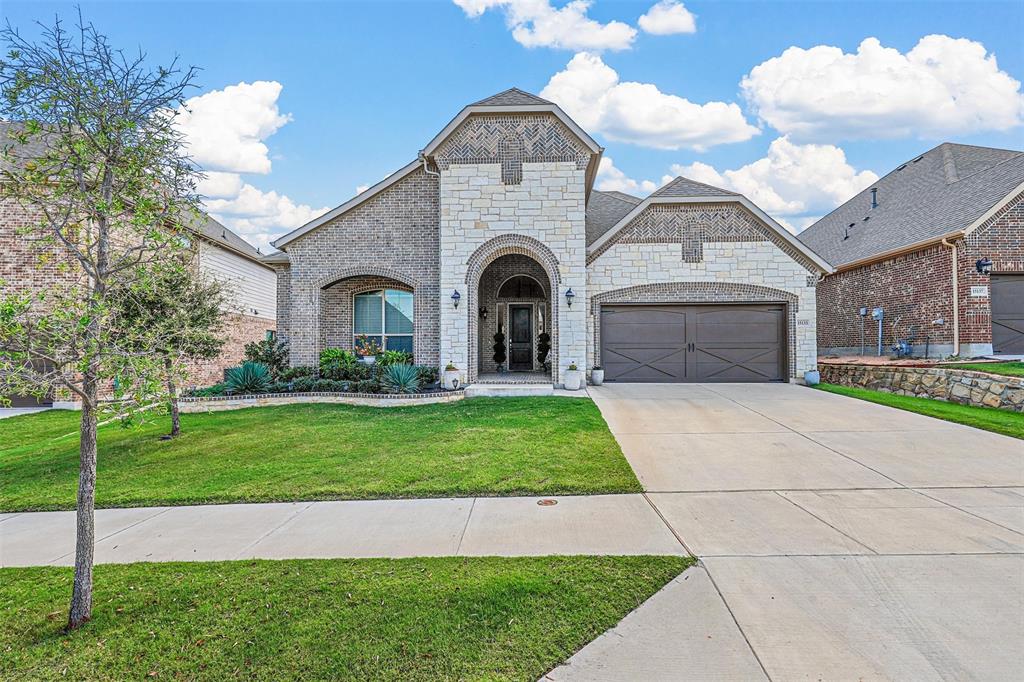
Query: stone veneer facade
point(915, 289)
point(654, 260)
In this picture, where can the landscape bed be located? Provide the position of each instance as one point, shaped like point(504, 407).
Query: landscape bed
point(380, 619)
point(483, 446)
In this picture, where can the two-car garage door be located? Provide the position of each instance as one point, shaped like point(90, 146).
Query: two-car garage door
point(706, 343)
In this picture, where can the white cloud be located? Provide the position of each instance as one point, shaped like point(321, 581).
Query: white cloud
point(668, 17)
point(791, 180)
point(361, 188)
point(535, 23)
point(226, 128)
point(261, 216)
point(612, 179)
point(591, 93)
point(943, 86)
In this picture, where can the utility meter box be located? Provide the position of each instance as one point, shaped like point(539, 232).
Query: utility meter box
point(877, 314)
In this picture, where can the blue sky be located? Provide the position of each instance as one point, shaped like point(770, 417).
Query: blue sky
point(336, 95)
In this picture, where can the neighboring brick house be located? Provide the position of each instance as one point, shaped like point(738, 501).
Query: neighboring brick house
point(915, 244)
point(496, 225)
point(252, 302)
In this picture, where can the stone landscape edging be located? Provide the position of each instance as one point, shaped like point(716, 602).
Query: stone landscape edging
point(966, 387)
point(238, 402)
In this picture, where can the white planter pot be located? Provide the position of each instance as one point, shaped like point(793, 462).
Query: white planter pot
point(368, 359)
point(572, 379)
point(597, 377)
point(812, 377)
point(450, 379)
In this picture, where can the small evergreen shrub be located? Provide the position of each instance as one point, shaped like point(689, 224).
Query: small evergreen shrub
point(269, 352)
point(296, 372)
point(428, 375)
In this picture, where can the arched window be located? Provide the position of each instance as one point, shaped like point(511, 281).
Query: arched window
point(521, 286)
point(384, 316)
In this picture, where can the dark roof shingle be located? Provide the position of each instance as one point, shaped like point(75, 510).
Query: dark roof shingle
point(940, 192)
point(684, 187)
point(604, 210)
point(510, 97)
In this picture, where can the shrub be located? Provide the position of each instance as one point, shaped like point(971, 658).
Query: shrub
point(269, 352)
point(249, 377)
point(499, 347)
point(401, 379)
point(303, 384)
point(543, 347)
point(355, 371)
point(365, 386)
point(337, 357)
point(330, 386)
point(296, 372)
point(394, 357)
point(208, 391)
point(428, 375)
point(279, 387)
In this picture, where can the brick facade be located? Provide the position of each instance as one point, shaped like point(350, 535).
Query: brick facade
point(915, 289)
point(394, 235)
point(238, 331)
point(337, 305)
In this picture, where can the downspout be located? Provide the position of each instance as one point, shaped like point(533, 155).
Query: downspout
point(956, 297)
point(426, 167)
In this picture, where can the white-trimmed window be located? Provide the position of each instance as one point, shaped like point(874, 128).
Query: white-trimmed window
point(384, 316)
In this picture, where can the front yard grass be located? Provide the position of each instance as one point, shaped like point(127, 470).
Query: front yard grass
point(1006, 369)
point(987, 418)
point(482, 446)
point(366, 619)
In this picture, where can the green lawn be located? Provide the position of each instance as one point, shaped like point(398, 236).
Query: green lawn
point(483, 446)
point(987, 418)
point(366, 619)
point(1008, 369)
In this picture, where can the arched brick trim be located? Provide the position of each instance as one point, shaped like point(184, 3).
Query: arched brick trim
point(487, 253)
point(364, 270)
point(382, 277)
point(698, 292)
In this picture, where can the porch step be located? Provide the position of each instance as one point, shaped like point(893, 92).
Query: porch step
point(508, 390)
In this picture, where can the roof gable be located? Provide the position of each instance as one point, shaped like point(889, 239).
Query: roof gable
point(685, 187)
point(510, 97)
point(937, 194)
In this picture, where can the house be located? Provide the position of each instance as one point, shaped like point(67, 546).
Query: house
point(495, 225)
point(938, 246)
point(251, 310)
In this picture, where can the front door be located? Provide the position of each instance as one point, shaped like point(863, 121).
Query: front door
point(520, 338)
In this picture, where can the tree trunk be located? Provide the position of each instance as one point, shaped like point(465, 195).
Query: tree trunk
point(85, 538)
point(172, 397)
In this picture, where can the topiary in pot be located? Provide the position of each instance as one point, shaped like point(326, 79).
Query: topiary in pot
point(543, 348)
point(499, 349)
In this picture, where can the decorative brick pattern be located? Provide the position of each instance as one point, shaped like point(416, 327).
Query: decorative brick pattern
point(511, 140)
point(915, 289)
point(693, 225)
point(392, 235)
point(939, 383)
point(729, 272)
point(699, 292)
point(493, 277)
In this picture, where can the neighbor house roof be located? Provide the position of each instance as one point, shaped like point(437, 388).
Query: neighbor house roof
point(942, 193)
point(604, 209)
point(203, 224)
point(685, 191)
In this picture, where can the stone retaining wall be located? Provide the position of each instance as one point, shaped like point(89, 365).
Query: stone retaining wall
point(221, 403)
point(940, 383)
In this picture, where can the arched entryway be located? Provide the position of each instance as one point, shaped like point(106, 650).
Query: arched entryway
point(512, 283)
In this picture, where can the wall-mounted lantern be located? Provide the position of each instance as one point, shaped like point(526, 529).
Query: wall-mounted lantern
point(569, 295)
point(483, 313)
point(984, 266)
point(456, 297)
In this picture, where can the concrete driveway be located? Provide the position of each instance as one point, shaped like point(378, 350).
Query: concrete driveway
point(848, 540)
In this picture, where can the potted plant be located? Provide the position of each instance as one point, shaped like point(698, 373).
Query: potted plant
point(543, 349)
point(450, 379)
point(597, 375)
point(573, 378)
point(367, 349)
point(499, 349)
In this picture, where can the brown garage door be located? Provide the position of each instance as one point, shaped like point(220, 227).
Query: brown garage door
point(677, 343)
point(1008, 314)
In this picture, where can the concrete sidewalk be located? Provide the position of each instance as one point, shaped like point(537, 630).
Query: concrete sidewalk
point(506, 526)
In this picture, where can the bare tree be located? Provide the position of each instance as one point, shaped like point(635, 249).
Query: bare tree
point(92, 150)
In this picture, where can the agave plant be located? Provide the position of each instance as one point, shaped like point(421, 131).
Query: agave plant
point(401, 378)
point(249, 377)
